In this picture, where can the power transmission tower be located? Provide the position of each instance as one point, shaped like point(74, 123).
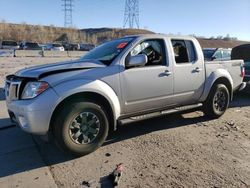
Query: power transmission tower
point(131, 15)
point(68, 9)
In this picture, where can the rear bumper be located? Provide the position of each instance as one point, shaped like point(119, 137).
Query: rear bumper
point(247, 80)
point(247, 88)
point(242, 86)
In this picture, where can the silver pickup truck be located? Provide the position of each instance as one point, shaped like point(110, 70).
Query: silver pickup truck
point(121, 81)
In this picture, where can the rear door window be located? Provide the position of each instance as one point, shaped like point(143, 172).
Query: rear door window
point(184, 51)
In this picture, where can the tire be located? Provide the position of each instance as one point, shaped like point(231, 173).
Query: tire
point(73, 131)
point(217, 101)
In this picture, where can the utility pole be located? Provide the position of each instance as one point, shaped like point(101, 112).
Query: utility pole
point(68, 9)
point(131, 15)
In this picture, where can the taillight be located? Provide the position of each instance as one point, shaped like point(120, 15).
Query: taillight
point(242, 71)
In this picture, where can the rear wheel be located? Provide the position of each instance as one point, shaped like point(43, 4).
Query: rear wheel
point(217, 101)
point(81, 127)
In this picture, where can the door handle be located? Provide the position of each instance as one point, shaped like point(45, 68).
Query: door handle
point(197, 69)
point(167, 72)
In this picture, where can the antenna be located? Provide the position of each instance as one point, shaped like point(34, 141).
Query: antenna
point(131, 15)
point(68, 9)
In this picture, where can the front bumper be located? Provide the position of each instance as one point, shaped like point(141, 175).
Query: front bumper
point(33, 115)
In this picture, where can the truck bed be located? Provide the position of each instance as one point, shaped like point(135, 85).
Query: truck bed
point(233, 67)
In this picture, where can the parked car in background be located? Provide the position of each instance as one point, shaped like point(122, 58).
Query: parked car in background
point(9, 44)
point(75, 47)
point(86, 47)
point(217, 54)
point(30, 46)
point(66, 46)
point(43, 46)
point(71, 46)
point(54, 47)
point(243, 52)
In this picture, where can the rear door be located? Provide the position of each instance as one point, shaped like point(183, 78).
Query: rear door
point(189, 73)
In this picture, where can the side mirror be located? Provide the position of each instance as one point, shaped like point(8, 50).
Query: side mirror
point(137, 61)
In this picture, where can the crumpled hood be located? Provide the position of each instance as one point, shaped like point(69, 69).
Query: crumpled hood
point(49, 69)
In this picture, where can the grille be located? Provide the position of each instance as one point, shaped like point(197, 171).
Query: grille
point(12, 87)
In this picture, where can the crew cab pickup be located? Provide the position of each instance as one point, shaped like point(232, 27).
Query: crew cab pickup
point(121, 81)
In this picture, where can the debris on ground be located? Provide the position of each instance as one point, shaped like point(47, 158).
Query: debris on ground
point(116, 174)
point(86, 184)
point(232, 125)
point(107, 154)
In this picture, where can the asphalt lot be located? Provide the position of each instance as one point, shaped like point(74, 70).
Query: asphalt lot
point(181, 150)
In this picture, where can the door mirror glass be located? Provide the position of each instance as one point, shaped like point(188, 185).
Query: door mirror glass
point(137, 61)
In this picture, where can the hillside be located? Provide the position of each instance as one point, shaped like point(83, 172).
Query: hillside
point(219, 43)
point(44, 34)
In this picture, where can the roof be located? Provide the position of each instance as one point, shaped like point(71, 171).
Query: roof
point(163, 35)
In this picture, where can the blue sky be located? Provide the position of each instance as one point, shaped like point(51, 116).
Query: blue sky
point(200, 17)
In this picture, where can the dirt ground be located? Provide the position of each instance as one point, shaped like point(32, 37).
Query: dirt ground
point(180, 150)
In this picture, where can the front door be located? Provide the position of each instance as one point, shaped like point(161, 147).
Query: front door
point(151, 86)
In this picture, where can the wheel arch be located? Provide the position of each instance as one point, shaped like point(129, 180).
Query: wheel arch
point(221, 80)
point(88, 96)
point(227, 83)
point(218, 76)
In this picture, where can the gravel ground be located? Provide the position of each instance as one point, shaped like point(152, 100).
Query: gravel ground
point(181, 150)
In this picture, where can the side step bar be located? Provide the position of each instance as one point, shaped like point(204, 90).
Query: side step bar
point(157, 114)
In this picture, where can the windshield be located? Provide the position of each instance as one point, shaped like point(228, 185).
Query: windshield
point(208, 54)
point(57, 45)
point(108, 51)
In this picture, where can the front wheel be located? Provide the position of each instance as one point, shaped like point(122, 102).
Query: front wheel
point(217, 101)
point(81, 127)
